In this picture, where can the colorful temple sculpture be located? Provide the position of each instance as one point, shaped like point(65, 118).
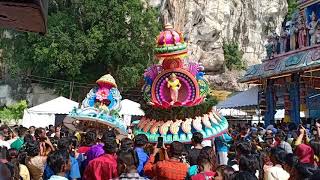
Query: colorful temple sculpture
point(289, 77)
point(99, 110)
point(176, 95)
point(24, 15)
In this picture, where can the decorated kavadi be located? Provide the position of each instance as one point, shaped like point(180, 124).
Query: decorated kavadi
point(176, 95)
point(100, 109)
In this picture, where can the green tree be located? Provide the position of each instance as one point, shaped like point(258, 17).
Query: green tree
point(233, 56)
point(292, 8)
point(13, 112)
point(85, 40)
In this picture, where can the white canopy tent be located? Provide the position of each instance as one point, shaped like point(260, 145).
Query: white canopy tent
point(44, 114)
point(241, 100)
point(128, 109)
point(231, 112)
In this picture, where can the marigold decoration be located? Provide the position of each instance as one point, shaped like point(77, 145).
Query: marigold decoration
point(177, 95)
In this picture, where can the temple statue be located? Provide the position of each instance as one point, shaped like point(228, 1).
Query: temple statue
point(174, 85)
point(276, 43)
point(293, 35)
point(313, 27)
point(302, 33)
point(283, 40)
point(270, 47)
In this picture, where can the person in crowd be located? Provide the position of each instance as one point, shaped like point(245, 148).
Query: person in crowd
point(304, 171)
point(278, 156)
point(280, 137)
point(140, 143)
point(303, 137)
point(20, 170)
point(14, 135)
point(64, 144)
point(3, 143)
point(223, 145)
point(249, 163)
point(45, 144)
point(18, 143)
point(126, 144)
point(51, 130)
point(127, 164)
point(242, 148)
point(168, 169)
point(207, 163)
point(244, 175)
point(13, 167)
point(98, 150)
point(74, 152)
point(194, 152)
point(305, 153)
point(34, 161)
point(291, 161)
point(57, 132)
point(90, 139)
point(224, 172)
point(59, 163)
point(32, 130)
point(6, 132)
point(105, 166)
point(4, 172)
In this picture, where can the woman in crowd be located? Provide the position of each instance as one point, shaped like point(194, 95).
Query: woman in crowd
point(207, 163)
point(224, 172)
point(127, 163)
point(20, 170)
point(276, 172)
point(34, 161)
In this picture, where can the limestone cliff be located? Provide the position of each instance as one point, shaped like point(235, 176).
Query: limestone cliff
point(207, 23)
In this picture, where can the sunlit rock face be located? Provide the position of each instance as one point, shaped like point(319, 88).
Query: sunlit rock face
point(207, 23)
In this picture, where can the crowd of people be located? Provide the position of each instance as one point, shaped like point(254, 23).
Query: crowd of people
point(250, 152)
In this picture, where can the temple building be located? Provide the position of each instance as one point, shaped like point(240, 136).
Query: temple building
point(289, 77)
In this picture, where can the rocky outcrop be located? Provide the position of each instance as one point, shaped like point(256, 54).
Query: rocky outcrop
point(207, 23)
point(34, 95)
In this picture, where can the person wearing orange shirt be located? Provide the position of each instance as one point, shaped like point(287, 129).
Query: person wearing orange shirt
point(169, 169)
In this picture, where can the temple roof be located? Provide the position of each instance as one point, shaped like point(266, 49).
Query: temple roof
point(24, 15)
point(305, 59)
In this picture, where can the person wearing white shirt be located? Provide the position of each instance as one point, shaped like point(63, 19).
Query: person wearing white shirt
point(3, 142)
point(277, 172)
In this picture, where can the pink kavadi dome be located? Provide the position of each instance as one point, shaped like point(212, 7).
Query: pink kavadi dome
point(169, 36)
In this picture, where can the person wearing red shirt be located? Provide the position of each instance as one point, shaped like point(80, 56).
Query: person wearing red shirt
point(105, 166)
point(169, 169)
point(207, 162)
point(90, 139)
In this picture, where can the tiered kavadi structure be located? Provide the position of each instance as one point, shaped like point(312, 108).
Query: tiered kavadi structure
point(176, 94)
point(99, 110)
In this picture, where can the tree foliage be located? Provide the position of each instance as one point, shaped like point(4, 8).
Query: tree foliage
point(292, 8)
point(13, 112)
point(233, 56)
point(85, 40)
